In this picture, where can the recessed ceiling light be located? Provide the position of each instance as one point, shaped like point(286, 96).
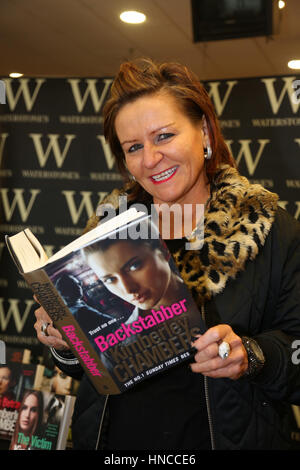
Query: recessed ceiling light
point(281, 4)
point(294, 64)
point(133, 17)
point(16, 75)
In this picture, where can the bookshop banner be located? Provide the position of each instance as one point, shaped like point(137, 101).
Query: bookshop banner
point(55, 165)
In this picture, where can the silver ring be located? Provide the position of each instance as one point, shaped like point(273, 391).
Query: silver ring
point(224, 350)
point(44, 328)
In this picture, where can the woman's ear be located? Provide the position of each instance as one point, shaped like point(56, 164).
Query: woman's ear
point(206, 138)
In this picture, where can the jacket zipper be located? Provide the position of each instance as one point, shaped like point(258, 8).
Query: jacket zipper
point(207, 400)
point(101, 422)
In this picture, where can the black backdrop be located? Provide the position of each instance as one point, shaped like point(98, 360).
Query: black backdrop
point(55, 165)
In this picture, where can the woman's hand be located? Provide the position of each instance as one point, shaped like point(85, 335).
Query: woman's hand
point(208, 361)
point(53, 338)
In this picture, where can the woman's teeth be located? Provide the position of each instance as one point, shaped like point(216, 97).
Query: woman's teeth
point(165, 174)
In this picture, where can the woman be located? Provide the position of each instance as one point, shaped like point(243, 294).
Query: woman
point(161, 126)
point(29, 420)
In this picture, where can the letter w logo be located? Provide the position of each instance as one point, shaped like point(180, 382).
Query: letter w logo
point(18, 200)
point(287, 88)
point(52, 145)
point(214, 94)
point(14, 312)
point(86, 204)
point(90, 90)
point(245, 152)
point(23, 89)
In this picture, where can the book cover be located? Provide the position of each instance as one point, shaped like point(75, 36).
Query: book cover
point(43, 421)
point(56, 381)
point(15, 379)
point(18, 355)
point(121, 305)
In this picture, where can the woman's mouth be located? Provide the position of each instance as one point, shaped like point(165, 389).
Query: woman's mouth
point(164, 176)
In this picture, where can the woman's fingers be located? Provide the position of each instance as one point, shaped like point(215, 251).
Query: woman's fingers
point(46, 332)
point(208, 360)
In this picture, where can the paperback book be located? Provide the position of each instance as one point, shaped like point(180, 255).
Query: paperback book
point(117, 298)
point(16, 378)
point(43, 421)
point(18, 355)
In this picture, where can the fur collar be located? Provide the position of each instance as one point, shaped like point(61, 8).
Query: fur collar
point(237, 222)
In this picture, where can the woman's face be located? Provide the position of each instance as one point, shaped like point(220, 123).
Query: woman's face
point(134, 272)
point(163, 149)
point(5, 378)
point(61, 383)
point(29, 414)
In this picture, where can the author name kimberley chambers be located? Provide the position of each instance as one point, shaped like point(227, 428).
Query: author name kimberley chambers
point(125, 331)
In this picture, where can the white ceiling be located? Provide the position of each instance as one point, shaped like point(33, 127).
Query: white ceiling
point(57, 38)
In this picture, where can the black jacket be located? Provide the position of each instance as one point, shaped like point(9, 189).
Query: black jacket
point(260, 298)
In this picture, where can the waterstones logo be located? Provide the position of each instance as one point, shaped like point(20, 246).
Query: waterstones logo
point(276, 97)
point(215, 95)
point(247, 153)
point(17, 201)
point(24, 90)
point(90, 91)
point(2, 92)
point(14, 313)
point(52, 147)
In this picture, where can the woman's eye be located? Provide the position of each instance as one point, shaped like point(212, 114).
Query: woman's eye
point(134, 266)
point(109, 280)
point(164, 136)
point(134, 148)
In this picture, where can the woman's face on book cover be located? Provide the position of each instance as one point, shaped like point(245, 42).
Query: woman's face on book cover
point(135, 272)
point(29, 414)
point(5, 380)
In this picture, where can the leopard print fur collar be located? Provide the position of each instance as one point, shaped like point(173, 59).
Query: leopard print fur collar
point(237, 222)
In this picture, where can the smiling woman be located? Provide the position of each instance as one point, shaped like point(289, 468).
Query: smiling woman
point(164, 150)
point(158, 87)
point(161, 126)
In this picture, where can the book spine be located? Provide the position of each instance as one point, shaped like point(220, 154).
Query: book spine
point(38, 377)
point(65, 422)
point(71, 332)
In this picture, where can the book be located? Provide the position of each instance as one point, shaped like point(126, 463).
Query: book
point(16, 378)
point(18, 355)
point(117, 298)
point(43, 421)
point(55, 380)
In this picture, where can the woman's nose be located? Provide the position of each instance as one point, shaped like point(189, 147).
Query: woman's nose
point(130, 286)
point(151, 156)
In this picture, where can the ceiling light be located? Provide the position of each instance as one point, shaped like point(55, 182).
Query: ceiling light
point(133, 17)
point(281, 4)
point(294, 64)
point(16, 75)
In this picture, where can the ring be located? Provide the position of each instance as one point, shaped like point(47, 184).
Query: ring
point(224, 350)
point(44, 328)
